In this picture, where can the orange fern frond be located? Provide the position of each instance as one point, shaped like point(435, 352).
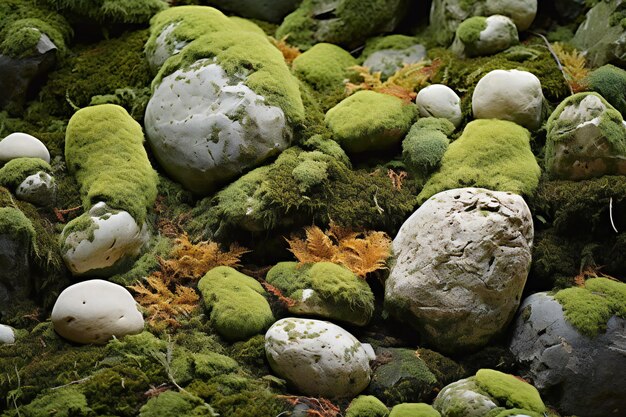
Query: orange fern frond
point(289, 52)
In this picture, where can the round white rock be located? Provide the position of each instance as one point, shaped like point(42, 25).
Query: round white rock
point(439, 101)
point(509, 95)
point(22, 145)
point(7, 335)
point(94, 311)
point(39, 189)
point(318, 358)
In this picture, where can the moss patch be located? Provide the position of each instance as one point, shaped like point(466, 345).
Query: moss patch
point(14, 172)
point(172, 404)
point(104, 150)
point(236, 304)
point(370, 121)
point(610, 82)
point(590, 308)
point(414, 410)
point(14, 223)
point(469, 31)
point(492, 154)
point(367, 406)
point(509, 391)
point(109, 12)
point(425, 144)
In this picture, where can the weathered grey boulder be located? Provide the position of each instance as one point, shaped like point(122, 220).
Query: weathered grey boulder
point(318, 358)
point(586, 138)
point(601, 37)
point(39, 189)
point(269, 10)
point(478, 36)
point(22, 145)
point(438, 100)
point(388, 61)
point(94, 311)
point(509, 95)
point(461, 262)
point(576, 373)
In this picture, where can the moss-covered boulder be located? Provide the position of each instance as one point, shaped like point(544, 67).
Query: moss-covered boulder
point(425, 145)
point(324, 290)
point(586, 138)
point(366, 406)
point(30, 179)
point(255, 106)
point(494, 154)
point(325, 68)
point(235, 303)
point(370, 121)
point(581, 326)
point(478, 36)
point(610, 82)
point(489, 393)
point(414, 410)
point(387, 54)
point(350, 22)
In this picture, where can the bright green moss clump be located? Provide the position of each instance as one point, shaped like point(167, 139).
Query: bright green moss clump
point(589, 308)
point(324, 68)
point(236, 304)
point(367, 406)
point(370, 121)
point(16, 170)
point(469, 31)
point(237, 51)
point(14, 223)
point(610, 82)
point(110, 11)
point(492, 154)
point(104, 150)
point(175, 404)
point(414, 410)
point(64, 402)
point(425, 144)
point(509, 391)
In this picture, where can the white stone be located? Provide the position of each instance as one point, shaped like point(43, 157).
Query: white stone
point(206, 127)
point(499, 34)
point(318, 358)
point(463, 398)
point(522, 12)
point(462, 260)
point(509, 95)
point(166, 45)
point(7, 335)
point(94, 311)
point(22, 145)
point(111, 236)
point(39, 189)
point(440, 101)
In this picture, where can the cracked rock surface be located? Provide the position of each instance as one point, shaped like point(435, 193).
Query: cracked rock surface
point(462, 260)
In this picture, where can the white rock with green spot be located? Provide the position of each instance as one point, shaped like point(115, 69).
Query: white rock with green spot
point(39, 189)
point(480, 36)
point(102, 241)
point(94, 311)
point(318, 358)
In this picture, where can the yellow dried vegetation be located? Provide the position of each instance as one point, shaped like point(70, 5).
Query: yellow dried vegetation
point(574, 67)
point(289, 52)
point(403, 84)
point(360, 252)
point(164, 296)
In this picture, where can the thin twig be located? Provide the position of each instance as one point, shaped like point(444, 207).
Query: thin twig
point(556, 58)
point(79, 381)
point(611, 214)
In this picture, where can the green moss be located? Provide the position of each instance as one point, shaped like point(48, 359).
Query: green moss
point(110, 11)
point(492, 154)
point(252, 353)
point(14, 223)
point(134, 100)
point(122, 178)
point(378, 43)
point(590, 308)
point(236, 304)
point(289, 277)
point(509, 391)
point(267, 73)
point(342, 286)
point(469, 31)
point(444, 369)
point(309, 173)
point(64, 402)
point(14, 172)
point(324, 68)
point(610, 82)
point(328, 147)
point(414, 410)
point(146, 264)
point(17, 17)
point(513, 412)
point(173, 404)
point(555, 259)
point(370, 121)
point(425, 144)
point(352, 23)
point(367, 406)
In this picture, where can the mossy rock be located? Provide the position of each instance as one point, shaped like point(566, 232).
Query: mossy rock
point(610, 82)
point(414, 410)
point(508, 391)
point(238, 310)
point(367, 406)
point(14, 172)
point(492, 154)
point(393, 42)
point(104, 150)
point(15, 224)
point(370, 121)
point(324, 289)
point(325, 68)
point(425, 145)
point(589, 308)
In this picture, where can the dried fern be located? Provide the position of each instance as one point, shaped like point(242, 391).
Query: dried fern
point(289, 52)
point(164, 306)
point(360, 252)
point(574, 67)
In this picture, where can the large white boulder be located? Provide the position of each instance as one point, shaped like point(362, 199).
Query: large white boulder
point(509, 95)
point(461, 262)
point(94, 311)
point(7, 335)
point(22, 145)
point(102, 239)
point(318, 358)
point(439, 101)
point(206, 127)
